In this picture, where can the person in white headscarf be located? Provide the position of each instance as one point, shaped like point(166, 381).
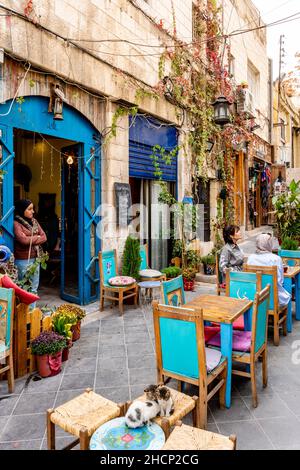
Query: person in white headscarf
point(265, 257)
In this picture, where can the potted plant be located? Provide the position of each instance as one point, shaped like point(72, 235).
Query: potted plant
point(171, 272)
point(48, 348)
point(289, 243)
point(209, 263)
point(287, 212)
point(189, 275)
point(131, 261)
point(62, 323)
point(78, 312)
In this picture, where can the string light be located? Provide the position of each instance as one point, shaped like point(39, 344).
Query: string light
point(51, 165)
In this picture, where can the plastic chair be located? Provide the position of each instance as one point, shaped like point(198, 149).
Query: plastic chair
point(248, 347)
point(181, 355)
point(144, 254)
point(279, 314)
point(7, 302)
point(108, 268)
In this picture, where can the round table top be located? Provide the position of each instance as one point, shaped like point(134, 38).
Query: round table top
point(149, 284)
point(115, 435)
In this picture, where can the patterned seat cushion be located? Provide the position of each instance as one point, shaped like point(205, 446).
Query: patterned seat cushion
point(241, 341)
point(121, 281)
point(213, 358)
point(151, 273)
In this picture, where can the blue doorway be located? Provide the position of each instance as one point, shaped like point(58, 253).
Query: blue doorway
point(33, 117)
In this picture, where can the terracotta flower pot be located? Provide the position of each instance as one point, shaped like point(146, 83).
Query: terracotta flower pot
point(49, 365)
point(76, 331)
point(65, 351)
point(188, 285)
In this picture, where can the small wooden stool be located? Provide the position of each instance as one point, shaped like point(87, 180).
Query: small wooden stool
point(188, 438)
point(183, 405)
point(80, 417)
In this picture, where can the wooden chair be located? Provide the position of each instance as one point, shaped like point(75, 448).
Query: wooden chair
point(279, 314)
point(188, 438)
point(80, 417)
point(7, 302)
point(248, 346)
point(173, 292)
point(108, 268)
point(181, 355)
point(292, 257)
point(144, 254)
point(221, 288)
point(183, 405)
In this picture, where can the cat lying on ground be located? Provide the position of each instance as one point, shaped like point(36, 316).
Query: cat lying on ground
point(159, 403)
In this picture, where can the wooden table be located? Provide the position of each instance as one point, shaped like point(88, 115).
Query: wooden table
point(292, 273)
point(224, 310)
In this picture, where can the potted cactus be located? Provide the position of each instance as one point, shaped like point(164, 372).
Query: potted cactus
point(48, 347)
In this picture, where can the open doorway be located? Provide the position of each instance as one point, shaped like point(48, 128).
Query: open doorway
point(46, 171)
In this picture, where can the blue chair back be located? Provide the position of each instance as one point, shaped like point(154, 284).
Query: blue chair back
point(108, 265)
point(292, 256)
point(241, 285)
point(173, 292)
point(268, 277)
point(144, 256)
point(260, 318)
point(179, 332)
point(6, 318)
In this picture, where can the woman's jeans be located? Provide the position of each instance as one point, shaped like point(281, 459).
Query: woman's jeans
point(22, 265)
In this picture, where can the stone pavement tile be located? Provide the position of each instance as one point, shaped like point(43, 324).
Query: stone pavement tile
point(80, 364)
point(19, 385)
point(22, 445)
point(34, 403)
point(48, 384)
point(135, 329)
point(110, 328)
point(269, 406)
point(237, 412)
point(111, 339)
point(142, 362)
point(77, 381)
point(116, 394)
point(292, 400)
point(7, 404)
point(142, 376)
point(84, 350)
point(111, 378)
point(137, 391)
point(249, 435)
point(242, 386)
point(114, 363)
point(108, 351)
point(61, 442)
point(282, 431)
point(24, 428)
point(140, 349)
point(67, 395)
point(3, 422)
point(280, 382)
point(137, 338)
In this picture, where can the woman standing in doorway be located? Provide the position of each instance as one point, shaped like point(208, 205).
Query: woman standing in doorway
point(29, 236)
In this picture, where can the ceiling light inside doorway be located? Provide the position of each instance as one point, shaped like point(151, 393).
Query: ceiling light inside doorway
point(70, 160)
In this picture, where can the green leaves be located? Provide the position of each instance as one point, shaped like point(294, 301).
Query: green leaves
point(287, 211)
point(131, 258)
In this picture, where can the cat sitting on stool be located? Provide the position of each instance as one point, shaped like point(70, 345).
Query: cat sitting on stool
point(159, 403)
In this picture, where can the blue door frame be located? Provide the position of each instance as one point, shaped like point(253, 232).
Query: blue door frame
point(34, 116)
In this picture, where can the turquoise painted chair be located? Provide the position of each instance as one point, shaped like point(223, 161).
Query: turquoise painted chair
point(292, 258)
point(249, 346)
point(145, 265)
point(173, 292)
point(279, 314)
point(108, 267)
point(6, 334)
point(181, 355)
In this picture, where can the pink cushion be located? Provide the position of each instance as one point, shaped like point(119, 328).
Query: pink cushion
point(241, 341)
point(25, 297)
point(239, 324)
point(121, 281)
point(210, 332)
point(213, 358)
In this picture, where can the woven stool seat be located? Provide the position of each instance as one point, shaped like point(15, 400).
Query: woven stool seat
point(188, 438)
point(81, 416)
point(183, 405)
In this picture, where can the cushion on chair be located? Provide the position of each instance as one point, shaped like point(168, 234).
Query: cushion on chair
point(25, 297)
point(239, 324)
point(210, 332)
point(151, 273)
point(89, 410)
point(121, 281)
point(241, 341)
point(183, 404)
point(213, 358)
point(188, 438)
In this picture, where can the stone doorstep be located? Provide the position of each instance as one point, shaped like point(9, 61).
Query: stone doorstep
point(206, 279)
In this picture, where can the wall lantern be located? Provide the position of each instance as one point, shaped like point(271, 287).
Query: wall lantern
point(209, 145)
point(221, 111)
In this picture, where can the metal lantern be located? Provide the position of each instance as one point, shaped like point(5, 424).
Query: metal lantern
point(209, 145)
point(221, 111)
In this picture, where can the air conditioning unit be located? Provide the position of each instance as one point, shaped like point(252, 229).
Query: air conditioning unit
point(245, 104)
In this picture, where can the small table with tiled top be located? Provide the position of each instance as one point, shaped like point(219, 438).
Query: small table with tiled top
point(115, 435)
point(293, 272)
point(224, 310)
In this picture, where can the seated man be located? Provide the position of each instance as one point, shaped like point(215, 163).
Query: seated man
point(265, 257)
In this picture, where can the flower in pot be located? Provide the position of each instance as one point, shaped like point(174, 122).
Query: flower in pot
point(62, 323)
point(73, 310)
point(171, 272)
point(209, 263)
point(48, 347)
point(189, 275)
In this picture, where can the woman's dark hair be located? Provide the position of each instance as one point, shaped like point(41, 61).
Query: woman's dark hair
point(229, 231)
